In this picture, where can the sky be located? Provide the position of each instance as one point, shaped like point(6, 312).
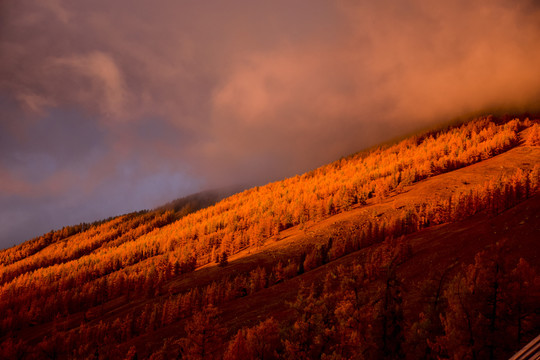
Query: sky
point(107, 107)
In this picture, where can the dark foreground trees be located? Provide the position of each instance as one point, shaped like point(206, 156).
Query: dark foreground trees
point(485, 310)
point(491, 306)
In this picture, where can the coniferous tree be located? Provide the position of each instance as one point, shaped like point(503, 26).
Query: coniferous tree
point(223, 259)
point(204, 335)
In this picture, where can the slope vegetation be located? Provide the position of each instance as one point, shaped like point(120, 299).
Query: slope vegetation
point(364, 223)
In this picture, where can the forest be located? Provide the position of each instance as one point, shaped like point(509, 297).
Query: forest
point(95, 290)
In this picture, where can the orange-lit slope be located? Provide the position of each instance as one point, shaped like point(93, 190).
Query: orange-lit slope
point(133, 279)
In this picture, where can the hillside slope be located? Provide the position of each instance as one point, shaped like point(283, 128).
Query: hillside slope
point(429, 203)
point(435, 249)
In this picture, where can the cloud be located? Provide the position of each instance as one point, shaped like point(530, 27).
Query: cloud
point(91, 80)
point(94, 80)
point(453, 57)
point(56, 8)
point(217, 93)
point(390, 69)
point(413, 61)
point(34, 103)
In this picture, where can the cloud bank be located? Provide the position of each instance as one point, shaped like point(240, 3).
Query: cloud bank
point(108, 107)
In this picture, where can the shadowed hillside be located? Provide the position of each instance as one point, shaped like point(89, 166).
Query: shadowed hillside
point(421, 249)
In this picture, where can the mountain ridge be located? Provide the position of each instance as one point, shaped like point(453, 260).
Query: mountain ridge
point(161, 268)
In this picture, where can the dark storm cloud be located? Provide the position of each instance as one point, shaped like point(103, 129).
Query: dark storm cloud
point(108, 107)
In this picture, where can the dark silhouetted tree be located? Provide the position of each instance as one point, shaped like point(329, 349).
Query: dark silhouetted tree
point(223, 259)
